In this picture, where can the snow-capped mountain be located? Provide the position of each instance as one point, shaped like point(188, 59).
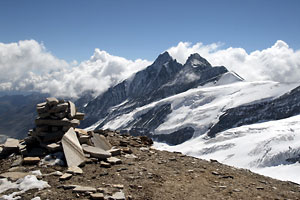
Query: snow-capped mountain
point(164, 78)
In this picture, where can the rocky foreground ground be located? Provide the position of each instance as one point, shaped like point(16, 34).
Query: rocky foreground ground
point(146, 173)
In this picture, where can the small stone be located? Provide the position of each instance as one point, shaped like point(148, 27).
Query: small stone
point(17, 162)
point(172, 159)
point(97, 196)
point(114, 160)
point(115, 152)
point(17, 169)
point(74, 170)
point(83, 189)
point(31, 160)
point(54, 147)
point(237, 190)
point(215, 173)
point(131, 156)
point(65, 176)
point(56, 173)
point(68, 187)
point(118, 196)
point(127, 150)
point(105, 164)
point(52, 101)
point(260, 188)
point(102, 190)
point(79, 116)
point(118, 186)
point(11, 144)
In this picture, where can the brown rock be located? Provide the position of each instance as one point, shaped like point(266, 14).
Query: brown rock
point(31, 160)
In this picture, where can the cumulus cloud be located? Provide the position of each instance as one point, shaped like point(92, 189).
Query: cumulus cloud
point(277, 63)
point(27, 65)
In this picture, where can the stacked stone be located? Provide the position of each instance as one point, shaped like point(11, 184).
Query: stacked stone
point(55, 118)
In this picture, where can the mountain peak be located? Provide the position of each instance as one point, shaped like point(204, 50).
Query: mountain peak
point(163, 58)
point(195, 60)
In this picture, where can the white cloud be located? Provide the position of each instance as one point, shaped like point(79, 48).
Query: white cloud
point(278, 63)
point(27, 65)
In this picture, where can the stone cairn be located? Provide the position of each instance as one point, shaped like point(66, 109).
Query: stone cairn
point(56, 131)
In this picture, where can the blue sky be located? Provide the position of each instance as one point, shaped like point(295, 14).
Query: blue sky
point(71, 30)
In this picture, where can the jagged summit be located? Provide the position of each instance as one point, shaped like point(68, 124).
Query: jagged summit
point(163, 58)
point(196, 61)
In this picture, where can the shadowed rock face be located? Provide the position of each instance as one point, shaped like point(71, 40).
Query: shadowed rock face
point(282, 107)
point(164, 78)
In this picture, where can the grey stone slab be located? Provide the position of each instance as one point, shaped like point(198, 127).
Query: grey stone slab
point(96, 152)
point(100, 142)
point(72, 109)
point(72, 149)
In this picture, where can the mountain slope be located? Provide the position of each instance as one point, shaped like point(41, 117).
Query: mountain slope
point(282, 107)
point(270, 148)
point(197, 109)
